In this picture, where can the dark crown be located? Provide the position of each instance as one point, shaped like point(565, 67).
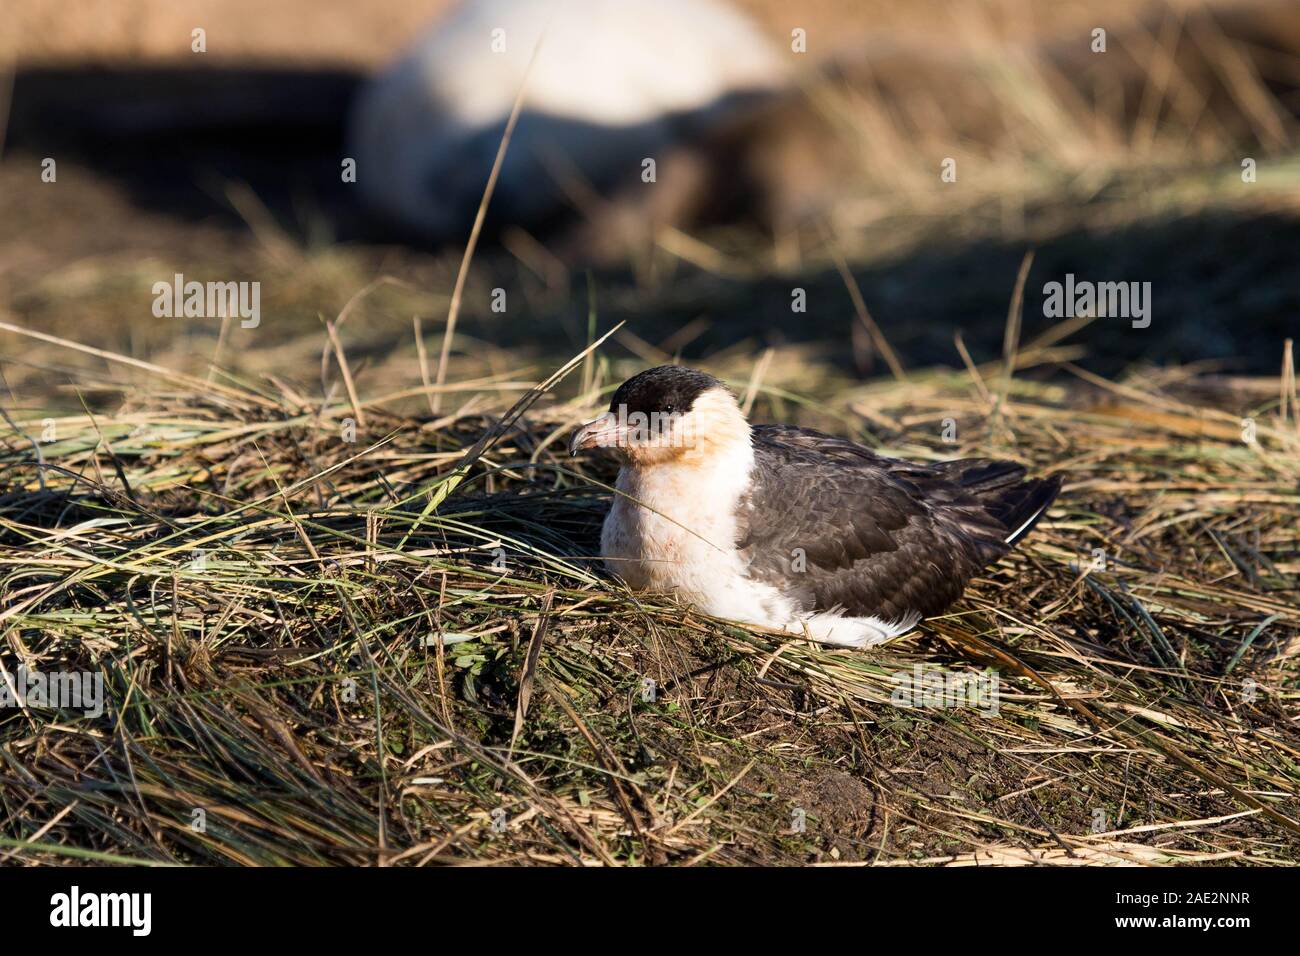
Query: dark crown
point(668, 388)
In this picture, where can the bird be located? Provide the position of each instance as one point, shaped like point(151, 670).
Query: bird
point(789, 528)
point(607, 85)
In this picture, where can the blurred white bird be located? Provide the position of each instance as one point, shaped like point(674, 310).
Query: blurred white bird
point(615, 81)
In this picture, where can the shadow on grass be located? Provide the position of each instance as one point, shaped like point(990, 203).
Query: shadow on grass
point(1222, 285)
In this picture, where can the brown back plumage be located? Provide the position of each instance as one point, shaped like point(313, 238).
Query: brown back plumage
point(835, 525)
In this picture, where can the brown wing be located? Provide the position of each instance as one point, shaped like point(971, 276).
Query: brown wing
point(835, 525)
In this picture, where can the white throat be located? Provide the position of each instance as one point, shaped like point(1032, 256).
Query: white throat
point(672, 525)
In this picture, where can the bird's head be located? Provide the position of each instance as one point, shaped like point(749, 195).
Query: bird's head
point(667, 414)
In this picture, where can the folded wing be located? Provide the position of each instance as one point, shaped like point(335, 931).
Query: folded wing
point(834, 525)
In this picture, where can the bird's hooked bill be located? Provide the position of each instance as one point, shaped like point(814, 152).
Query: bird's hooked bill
point(605, 431)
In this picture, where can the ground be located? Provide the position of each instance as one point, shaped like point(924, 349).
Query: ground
point(337, 626)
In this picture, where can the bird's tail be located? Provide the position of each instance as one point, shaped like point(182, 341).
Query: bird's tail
point(1020, 506)
point(1003, 492)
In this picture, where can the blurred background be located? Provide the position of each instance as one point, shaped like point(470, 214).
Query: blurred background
point(1124, 165)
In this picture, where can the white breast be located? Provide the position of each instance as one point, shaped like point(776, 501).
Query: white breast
point(672, 528)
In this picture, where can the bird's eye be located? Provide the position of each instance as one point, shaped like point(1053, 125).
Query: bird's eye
point(669, 409)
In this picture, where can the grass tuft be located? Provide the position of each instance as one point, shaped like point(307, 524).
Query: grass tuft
point(399, 650)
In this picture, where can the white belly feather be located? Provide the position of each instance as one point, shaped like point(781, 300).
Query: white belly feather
point(671, 530)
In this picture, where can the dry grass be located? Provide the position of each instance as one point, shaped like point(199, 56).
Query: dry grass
point(400, 650)
point(325, 645)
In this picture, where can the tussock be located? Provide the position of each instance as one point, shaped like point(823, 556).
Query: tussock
point(321, 644)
